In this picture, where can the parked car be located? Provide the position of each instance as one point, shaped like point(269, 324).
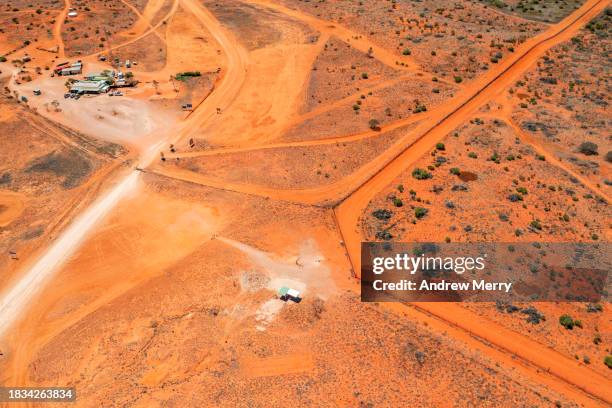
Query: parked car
point(66, 95)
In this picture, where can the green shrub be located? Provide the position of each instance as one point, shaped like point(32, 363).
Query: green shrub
point(566, 321)
point(421, 174)
point(522, 190)
point(374, 124)
point(182, 76)
point(420, 212)
point(458, 79)
point(608, 361)
point(382, 214)
point(440, 146)
point(420, 108)
point(406, 51)
point(536, 225)
point(472, 155)
point(397, 202)
point(455, 170)
point(364, 75)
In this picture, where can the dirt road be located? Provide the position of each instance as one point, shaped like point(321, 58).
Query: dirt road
point(232, 80)
point(552, 363)
point(304, 143)
point(17, 297)
point(457, 112)
point(57, 28)
point(357, 40)
point(16, 300)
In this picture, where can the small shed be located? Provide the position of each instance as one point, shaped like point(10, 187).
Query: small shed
point(73, 69)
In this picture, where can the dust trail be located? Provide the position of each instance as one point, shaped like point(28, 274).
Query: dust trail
point(17, 298)
point(306, 271)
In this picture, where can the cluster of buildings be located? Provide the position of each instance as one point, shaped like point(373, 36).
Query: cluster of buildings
point(95, 82)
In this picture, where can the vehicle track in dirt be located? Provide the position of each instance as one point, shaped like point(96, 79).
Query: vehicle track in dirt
point(458, 111)
point(351, 196)
point(304, 143)
point(356, 40)
point(39, 271)
point(57, 28)
point(547, 365)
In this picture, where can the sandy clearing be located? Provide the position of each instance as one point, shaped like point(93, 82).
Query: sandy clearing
point(11, 207)
point(121, 119)
point(305, 271)
point(278, 365)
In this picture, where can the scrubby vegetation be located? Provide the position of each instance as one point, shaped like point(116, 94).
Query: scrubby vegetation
point(183, 76)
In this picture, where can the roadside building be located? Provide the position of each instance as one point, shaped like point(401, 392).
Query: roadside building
point(73, 69)
point(89, 87)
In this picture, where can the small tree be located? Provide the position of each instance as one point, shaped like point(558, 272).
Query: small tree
point(420, 212)
point(588, 148)
point(566, 321)
point(374, 124)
